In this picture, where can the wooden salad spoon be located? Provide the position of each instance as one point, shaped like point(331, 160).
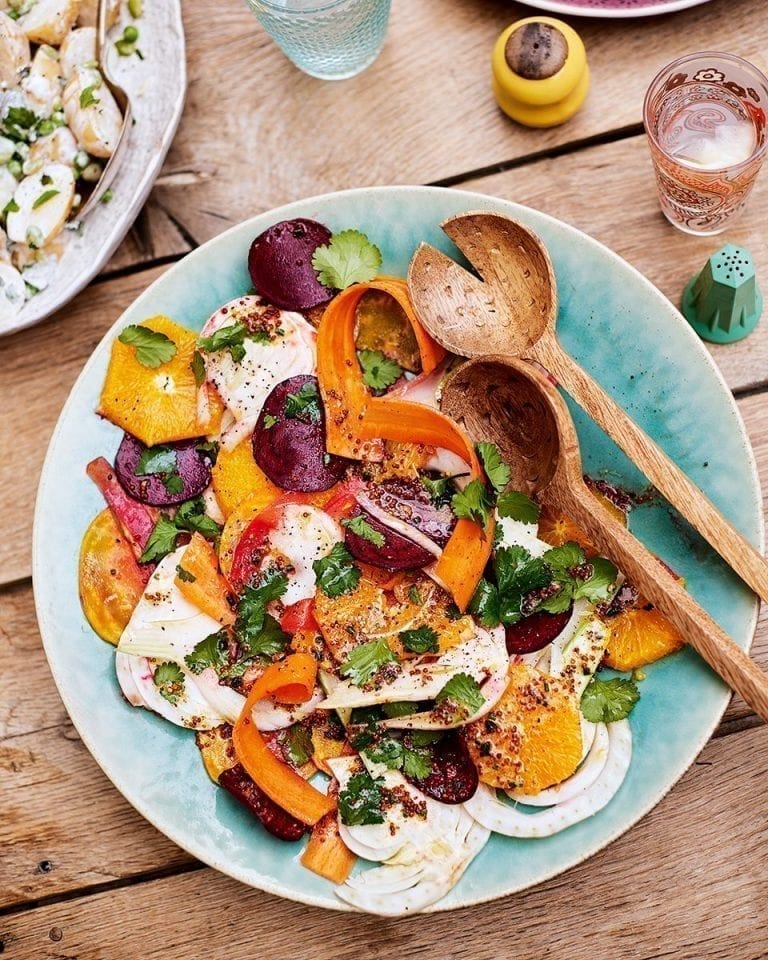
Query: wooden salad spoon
point(514, 405)
point(512, 311)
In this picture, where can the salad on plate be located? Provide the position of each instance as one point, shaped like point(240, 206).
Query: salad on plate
point(385, 652)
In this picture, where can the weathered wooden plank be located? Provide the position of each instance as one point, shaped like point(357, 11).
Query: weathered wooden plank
point(257, 132)
point(609, 193)
point(668, 888)
point(153, 236)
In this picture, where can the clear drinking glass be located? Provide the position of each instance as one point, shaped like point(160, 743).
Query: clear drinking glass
point(705, 117)
point(329, 39)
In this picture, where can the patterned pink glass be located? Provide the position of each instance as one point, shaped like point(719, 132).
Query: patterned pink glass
point(716, 103)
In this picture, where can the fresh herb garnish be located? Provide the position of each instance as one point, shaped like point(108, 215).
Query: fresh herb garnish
point(517, 574)
point(360, 802)
point(348, 258)
point(421, 640)
point(191, 516)
point(209, 448)
point(496, 470)
point(88, 97)
point(304, 404)
point(365, 661)
point(379, 372)
point(198, 368)
point(413, 594)
point(396, 755)
point(157, 459)
point(252, 609)
point(517, 506)
point(169, 680)
point(463, 692)
point(440, 491)
point(399, 708)
point(270, 640)
point(577, 577)
point(337, 573)
point(152, 347)
point(11, 207)
point(296, 744)
point(162, 540)
point(210, 652)
point(232, 338)
point(44, 197)
point(605, 701)
point(269, 421)
point(472, 503)
point(184, 575)
point(360, 526)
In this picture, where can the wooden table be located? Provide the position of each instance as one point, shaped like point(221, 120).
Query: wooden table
point(81, 874)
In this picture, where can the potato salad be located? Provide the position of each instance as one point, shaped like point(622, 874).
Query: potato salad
point(59, 125)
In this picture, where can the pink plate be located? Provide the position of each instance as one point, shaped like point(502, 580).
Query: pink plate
point(613, 8)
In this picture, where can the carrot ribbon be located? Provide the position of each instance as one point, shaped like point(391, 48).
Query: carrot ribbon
point(354, 417)
point(290, 681)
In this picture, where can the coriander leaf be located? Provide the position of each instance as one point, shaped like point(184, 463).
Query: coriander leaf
point(252, 608)
point(360, 526)
point(463, 691)
point(413, 594)
point(210, 652)
point(421, 640)
point(230, 338)
point(423, 738)
point(496, 470)
point(519, 572)
point(191, 516)
point(296, 744)
point(336, 574)
point(304, 404)
point(360, 802)
point(365, 661)
point(269, 421)
point(399, 708)
point(379, 372)
point(88, 97)
point(265, 643)
point(599, 586)
point(198, 368)
point(485, 604)
point(440, 491)
point(605, 701)
point(173, 483)
point(562, 559)
point(388, 751)
point(169, 680)
point(162, 540)
point(157, 459)
point(348, 258)
point(417, 763)
point(472, 503)
point(152, 347)
point(517, 506)
point(210, 449)
point(558, 602)
point(184, 575)
point(44, 197)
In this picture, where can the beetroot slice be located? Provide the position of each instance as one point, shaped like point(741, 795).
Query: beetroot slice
point(535, 632)
point(291, 449)
point(193, 468)
point(453, 777)
point(280, 264)
point(396, 553)
point(273, 818)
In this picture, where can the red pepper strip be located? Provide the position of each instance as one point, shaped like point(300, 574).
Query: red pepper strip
point(354, 417)
point(137, 521)
point(290, 681)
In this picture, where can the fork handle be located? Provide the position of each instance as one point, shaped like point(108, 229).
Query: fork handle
point(659, 585)
point(662, 472)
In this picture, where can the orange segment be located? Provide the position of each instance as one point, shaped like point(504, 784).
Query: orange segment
point(557, 529)
point(236, 476)
point(157, 404)
point(639, 636)
point(110, 582)
point(532, 738)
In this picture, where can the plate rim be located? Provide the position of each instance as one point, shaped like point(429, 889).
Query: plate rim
point(268, 884)
point(618, 13)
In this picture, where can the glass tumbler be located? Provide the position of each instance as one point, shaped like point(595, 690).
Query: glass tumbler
point(705, 117)
point(329, 39)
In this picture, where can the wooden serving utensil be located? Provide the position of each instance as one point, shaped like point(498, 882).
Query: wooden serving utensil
point(512, 404)
point(512, 311)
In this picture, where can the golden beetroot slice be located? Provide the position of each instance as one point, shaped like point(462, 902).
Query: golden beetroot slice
point(280, 264)
point(289, 438)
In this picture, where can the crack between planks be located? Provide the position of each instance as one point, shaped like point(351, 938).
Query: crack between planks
point(67, 896)
point(549, 153)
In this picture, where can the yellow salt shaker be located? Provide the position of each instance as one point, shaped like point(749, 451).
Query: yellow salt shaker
point(540, 71)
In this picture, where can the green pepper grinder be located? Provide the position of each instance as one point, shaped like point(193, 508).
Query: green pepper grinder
point(723, 303)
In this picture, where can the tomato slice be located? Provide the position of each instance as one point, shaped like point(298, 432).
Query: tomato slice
point(252, 545)
point(300, 616)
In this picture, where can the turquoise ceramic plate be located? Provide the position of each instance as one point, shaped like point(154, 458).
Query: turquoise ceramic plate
point(625, 333)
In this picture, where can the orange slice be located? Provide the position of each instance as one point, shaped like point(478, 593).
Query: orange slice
point(639, 636)
point(157, 404)
point(557, 529)
point(236, 476)
point(532, 738)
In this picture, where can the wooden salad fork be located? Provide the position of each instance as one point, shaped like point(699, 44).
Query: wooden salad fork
point(512, 311)
point(514, 405)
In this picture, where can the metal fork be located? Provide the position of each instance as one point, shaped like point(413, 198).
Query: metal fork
point(121, 98)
